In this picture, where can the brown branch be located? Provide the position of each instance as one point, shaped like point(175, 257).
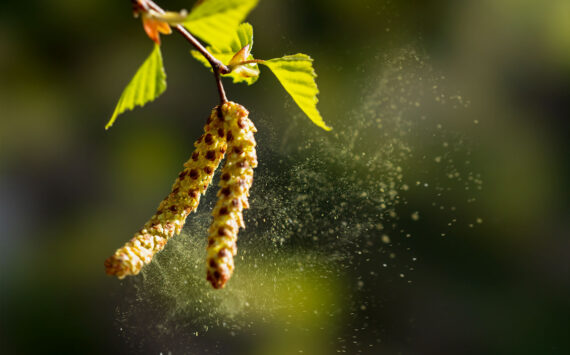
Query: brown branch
point(221, 90)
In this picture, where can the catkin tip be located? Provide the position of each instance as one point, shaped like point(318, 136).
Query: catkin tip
point(218, 278)
point(120, 266)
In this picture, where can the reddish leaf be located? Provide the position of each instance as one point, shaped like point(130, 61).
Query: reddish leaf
point(154, 27)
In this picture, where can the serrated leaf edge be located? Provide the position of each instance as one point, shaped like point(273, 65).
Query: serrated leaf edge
point(140, 100)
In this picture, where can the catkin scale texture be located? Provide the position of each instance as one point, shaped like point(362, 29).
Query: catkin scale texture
point(235, 181)
point(173, 210)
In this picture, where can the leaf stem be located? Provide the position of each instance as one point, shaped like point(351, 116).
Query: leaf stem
point(217, 66)
point(251, 61)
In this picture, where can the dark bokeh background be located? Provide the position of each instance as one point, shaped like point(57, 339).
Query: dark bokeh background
point(70, 192)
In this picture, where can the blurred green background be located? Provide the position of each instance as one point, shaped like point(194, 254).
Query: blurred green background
point(491, 79)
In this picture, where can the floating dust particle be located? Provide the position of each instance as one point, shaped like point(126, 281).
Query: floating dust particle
point(321, 210)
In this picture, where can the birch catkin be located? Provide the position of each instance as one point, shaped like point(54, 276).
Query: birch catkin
point(173, 210)
point(235, 181)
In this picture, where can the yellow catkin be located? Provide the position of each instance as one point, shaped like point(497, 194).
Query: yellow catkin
point(235, 181)
point(173, 210)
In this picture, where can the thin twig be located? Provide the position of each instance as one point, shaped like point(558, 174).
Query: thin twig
point(221, 90)
point(217, 66)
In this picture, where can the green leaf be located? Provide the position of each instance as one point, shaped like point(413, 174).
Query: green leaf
point(147, 84)
point(215, 21)
point(296, 74)
point(241, 38)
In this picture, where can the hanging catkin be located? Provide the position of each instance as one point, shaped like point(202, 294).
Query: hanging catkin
point(173, 210)
point(235, 181)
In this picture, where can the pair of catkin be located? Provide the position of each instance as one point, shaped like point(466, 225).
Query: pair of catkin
point(229, 132)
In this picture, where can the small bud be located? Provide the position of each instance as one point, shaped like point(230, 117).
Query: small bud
point(237, 65)
point(240, 56)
